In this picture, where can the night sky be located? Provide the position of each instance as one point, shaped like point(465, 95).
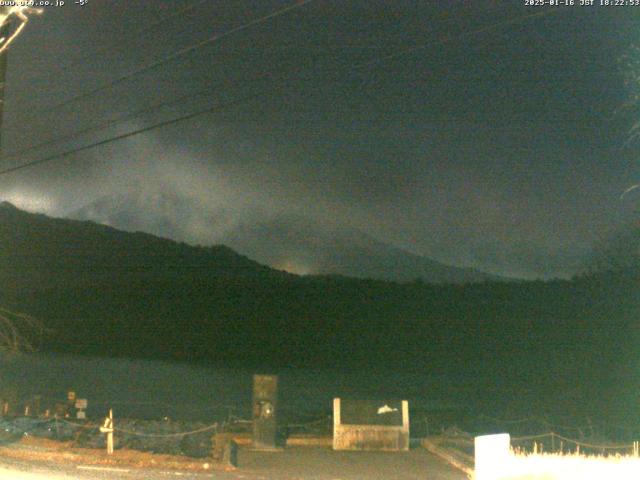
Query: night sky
point(486, 134)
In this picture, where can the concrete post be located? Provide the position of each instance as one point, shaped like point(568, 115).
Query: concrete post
point(492, 456)
point(265, 400)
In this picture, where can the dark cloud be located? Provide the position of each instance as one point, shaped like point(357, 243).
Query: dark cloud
point(500, 150)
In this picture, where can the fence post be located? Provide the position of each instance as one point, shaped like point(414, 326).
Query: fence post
point(110, 434)
point(107, 428)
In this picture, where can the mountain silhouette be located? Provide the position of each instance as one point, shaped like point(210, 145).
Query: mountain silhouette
point(107, 292)
point(287, 242)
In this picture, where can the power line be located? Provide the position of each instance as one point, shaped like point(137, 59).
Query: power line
point(150, 109)
point(443, 41)
point(111, 123)
point(165, 123)
point(262, 75)
point(223, 106)
point(160, 105)
point(157, 106)
point(173, 56)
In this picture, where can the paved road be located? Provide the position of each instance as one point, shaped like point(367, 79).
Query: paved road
point(325, 464)
point(291, 464)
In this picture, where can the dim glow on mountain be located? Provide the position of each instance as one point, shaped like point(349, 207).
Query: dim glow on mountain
point(295, 267)
point(30, 201)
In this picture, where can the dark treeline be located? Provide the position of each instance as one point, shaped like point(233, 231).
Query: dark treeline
point(332, 320)
point(105, 292)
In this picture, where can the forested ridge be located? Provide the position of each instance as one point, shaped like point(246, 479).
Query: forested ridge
point(106, 292)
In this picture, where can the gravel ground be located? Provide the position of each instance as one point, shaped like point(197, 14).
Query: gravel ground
point(23, 470)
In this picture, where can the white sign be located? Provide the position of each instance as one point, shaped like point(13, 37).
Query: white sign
point(386, 409)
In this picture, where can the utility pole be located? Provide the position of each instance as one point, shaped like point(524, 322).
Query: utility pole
point(4, 32)
point(12, 21)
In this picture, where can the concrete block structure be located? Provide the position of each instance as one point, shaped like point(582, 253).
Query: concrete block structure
point(370, 425)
